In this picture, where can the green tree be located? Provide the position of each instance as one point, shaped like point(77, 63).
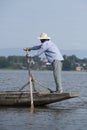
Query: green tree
point(4, 62)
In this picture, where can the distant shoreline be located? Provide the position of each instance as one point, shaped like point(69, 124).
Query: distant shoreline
point(19, 52)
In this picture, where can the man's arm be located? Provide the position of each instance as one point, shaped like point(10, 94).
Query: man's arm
point(32, 48)
point(35, 47)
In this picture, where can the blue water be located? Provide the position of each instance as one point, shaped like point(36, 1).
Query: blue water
point(66, 115)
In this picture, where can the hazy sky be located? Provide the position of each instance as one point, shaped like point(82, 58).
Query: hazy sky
point(22, 21)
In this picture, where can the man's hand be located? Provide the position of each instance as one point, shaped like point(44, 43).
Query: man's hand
point(27, 49)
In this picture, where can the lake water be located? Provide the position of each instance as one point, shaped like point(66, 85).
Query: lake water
point(66, 115)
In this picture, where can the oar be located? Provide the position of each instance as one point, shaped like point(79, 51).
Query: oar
point(30, 81)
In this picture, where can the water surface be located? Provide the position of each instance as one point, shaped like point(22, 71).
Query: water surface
point(66, 115)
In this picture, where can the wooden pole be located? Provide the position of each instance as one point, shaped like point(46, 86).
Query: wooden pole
point(44, 86)
point(30, 80)
point(24, 86)
point(31, 95)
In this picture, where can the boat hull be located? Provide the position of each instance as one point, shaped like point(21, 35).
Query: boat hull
point(13, 98)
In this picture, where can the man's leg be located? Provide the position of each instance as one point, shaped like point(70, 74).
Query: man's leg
point(57, 68)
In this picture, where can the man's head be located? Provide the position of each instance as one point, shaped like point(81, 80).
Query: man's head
point(43, 37)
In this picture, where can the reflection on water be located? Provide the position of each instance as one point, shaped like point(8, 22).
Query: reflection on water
point(66, 115)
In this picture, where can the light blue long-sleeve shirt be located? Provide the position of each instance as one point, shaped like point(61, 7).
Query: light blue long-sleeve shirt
point(50, 50)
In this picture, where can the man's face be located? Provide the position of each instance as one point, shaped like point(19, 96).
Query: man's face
point(42, 40)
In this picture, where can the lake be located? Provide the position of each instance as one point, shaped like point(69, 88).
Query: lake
point(70, 114)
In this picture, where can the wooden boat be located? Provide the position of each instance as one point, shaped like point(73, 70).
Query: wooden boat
point(15, 98)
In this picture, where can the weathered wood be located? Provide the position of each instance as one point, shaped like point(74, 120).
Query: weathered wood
point(13, 98)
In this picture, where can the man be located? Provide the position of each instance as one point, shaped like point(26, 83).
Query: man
point(53, 55)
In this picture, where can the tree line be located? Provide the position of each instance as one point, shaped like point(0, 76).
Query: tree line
point(37, 63)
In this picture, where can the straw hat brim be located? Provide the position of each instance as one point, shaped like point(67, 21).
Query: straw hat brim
point(44, 38)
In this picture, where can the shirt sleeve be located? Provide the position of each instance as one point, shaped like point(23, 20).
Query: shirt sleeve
point(36, 47)
point(42, 49)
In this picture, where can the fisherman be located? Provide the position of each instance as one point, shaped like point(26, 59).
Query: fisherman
point(53, 55)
